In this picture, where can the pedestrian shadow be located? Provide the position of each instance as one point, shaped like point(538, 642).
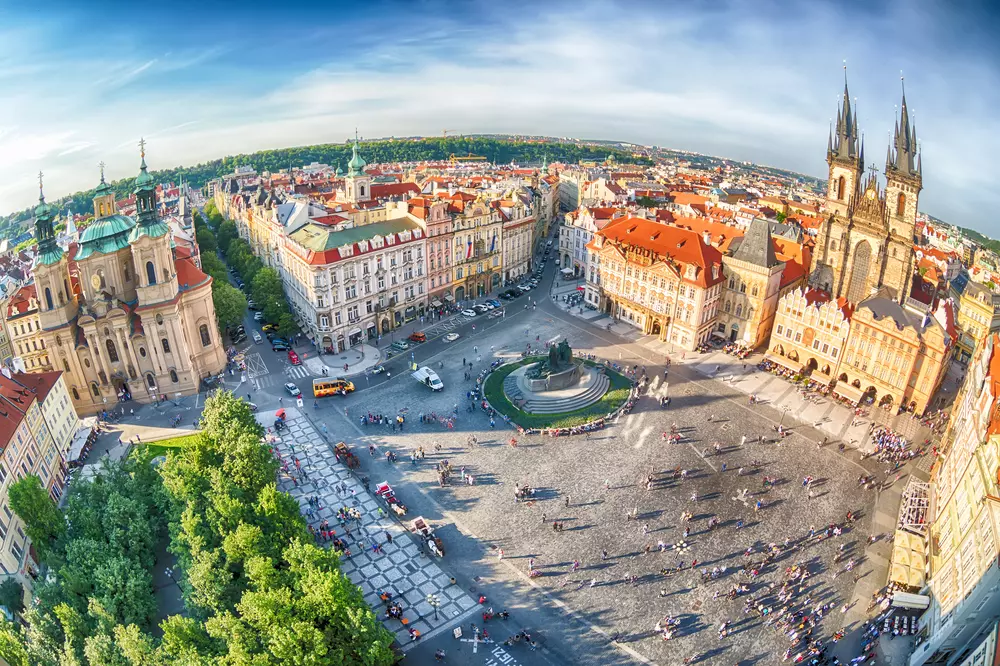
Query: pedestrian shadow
point(577, 528)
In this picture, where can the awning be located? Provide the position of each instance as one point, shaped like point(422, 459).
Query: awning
point(449, 297)
point(721, 336)
point(355, 331)
point(567, 271)
point(436, 303)
point(908, 560)
point(845, 390)
point(907, 600)
point(80, 438)
point(794, 366)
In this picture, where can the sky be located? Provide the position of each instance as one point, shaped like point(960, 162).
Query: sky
point(80, 83)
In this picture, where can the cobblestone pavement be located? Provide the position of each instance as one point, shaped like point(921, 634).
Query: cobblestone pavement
point(591, 485)
point(403, 569)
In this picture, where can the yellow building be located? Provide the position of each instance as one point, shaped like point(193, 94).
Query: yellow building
point(26, 339)
point(752, 283)
point(477, 250)
point(810, 333)
point(978, 316)
point(962, 548)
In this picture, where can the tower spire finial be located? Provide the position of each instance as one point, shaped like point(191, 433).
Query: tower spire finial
point(41, 194)
point(102, 165)
point(142, 148)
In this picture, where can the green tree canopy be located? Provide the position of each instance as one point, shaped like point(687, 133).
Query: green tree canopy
point(206, 241)
point(32, 503)
point(230, 303)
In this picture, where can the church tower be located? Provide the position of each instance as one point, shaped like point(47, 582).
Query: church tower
point(150, 241)
point(57, 304)
point(358, 184)
point(845, 155)
point(903, 184)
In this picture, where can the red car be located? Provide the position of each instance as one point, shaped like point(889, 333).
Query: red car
point(293, 358)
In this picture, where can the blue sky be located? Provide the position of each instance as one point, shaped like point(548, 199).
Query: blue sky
point(81, 82)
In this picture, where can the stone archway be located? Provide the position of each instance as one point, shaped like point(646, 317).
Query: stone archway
point(886, 401)
point(385, 326)
point(655, 328)
point(459, 294)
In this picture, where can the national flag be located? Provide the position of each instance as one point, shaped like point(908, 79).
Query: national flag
point(468, 250)
point(493, 243)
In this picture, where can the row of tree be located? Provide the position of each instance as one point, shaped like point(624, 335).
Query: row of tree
point(265, 283)
point(230, 303)
point(257, 590)
point(498, 150)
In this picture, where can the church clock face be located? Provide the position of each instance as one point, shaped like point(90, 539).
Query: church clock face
point(95, 280)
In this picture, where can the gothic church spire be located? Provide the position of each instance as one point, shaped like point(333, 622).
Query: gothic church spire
point(904, 158)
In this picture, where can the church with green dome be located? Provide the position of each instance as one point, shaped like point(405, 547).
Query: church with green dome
point(125, 313)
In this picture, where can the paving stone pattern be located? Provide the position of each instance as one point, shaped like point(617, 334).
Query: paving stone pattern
point(402, 568)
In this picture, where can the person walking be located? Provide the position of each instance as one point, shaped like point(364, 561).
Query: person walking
point(500, 555)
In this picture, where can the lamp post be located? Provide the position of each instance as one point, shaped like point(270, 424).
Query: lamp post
point(433, 600)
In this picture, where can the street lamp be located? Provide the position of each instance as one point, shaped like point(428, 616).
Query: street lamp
point(433, 600)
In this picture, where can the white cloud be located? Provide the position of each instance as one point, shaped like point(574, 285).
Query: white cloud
point(755, 83)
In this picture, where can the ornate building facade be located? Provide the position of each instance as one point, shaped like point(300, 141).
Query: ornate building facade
point(898, 344)
point(124, 311)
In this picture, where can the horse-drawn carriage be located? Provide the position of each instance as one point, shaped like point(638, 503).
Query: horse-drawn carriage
point(423, 530)
point(385, 493)
point(344, 454)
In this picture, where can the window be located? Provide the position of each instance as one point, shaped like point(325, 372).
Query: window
point(780, 328)
point(76, 394)
point(206, 339)
point(166, 345)
point(840, 188)
point(48, 298)
point(173, 376)
point(150, 273)
point(324, 322)
point(900, 204)
point(95, 389)
point(142, 352)
point(150, 380)
point(112, 352)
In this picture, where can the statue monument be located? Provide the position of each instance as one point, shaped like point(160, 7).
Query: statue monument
point(558, 371)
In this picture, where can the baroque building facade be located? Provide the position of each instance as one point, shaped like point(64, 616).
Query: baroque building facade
point(124, 313)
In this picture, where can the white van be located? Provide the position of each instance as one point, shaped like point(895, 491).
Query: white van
point(429, 378)
point(256, 338)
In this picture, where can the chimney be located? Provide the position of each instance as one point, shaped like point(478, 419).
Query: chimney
point(707, 237)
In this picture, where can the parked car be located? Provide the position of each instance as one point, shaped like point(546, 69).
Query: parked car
point(293, 358)
point(268, 327)
point(252, 306)
point(258, 316)
point(418, 336)
point(508, 295)
point(469, 313)
point(377, 370)
point(293, 390)
point(237, 338)
point(256, 338)
point(487, 305)
point(451, 337)
point(400, 345)
point(494, 302)
point(278, 345)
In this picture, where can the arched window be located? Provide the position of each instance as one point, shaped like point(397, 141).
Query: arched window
point(65, 365)
point(173, 376)
point(840, 188)
point(112, 351)
point(48, 298)
point(166, 345)
point(739, 310)
point(76, 394)
point(728, 306)
point(900, 204)
point(128, 276)
point(142, 352)
point(150, 272)
point(150, 380)
point(206, 340)
point(755, 291)
point(95, 389)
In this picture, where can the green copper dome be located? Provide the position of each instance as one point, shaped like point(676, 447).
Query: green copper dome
point(153, 230)
point(105, 235)
point(44, 210)
point(143, 180)
point(356, 164)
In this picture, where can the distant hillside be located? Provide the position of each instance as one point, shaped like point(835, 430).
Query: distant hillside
point(500, 151)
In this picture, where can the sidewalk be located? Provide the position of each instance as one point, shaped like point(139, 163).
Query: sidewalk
point(413, 578)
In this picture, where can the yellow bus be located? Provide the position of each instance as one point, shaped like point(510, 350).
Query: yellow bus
point(327, 386)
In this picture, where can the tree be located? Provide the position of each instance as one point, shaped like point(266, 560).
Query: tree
point(12, 596)
point(645, 202)
point(33, 504)
point(230, 304)
point(206, 240)
point(780, 216)
point(211, 264)
point(225, 234)
point(287, 325)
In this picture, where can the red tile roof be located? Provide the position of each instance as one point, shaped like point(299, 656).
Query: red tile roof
point(683, 246)
point(381, 191)
point(40, 382)
point(189, 276)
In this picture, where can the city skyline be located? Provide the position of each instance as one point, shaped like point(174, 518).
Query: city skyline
point(84, 88)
